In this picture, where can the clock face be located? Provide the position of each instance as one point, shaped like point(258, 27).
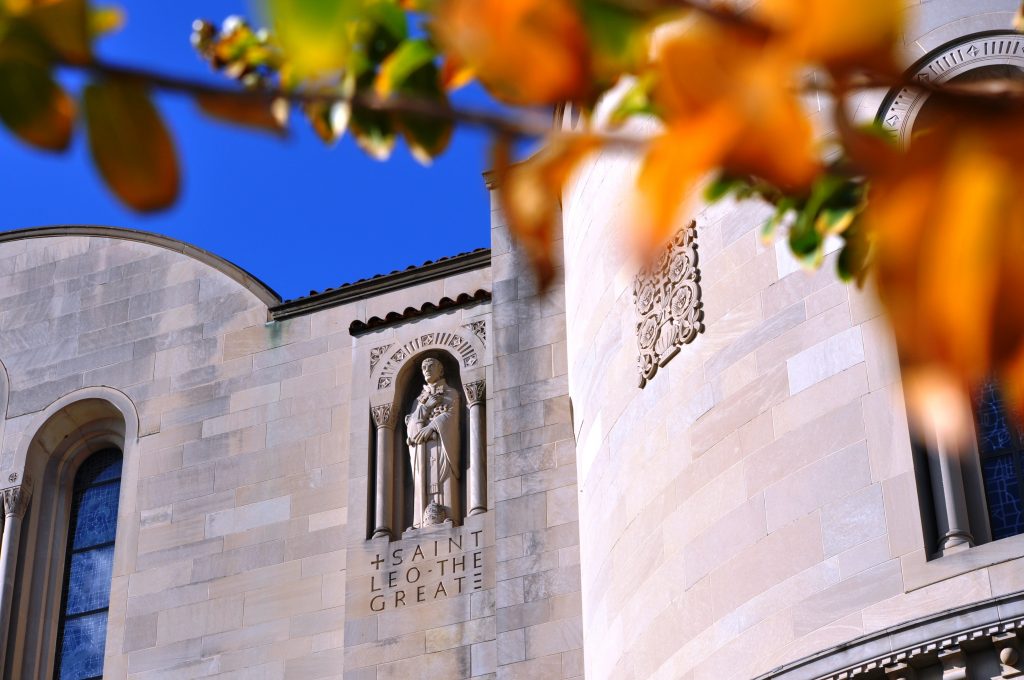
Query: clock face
point(976, 57)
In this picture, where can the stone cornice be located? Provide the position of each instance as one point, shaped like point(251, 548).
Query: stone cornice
point(265, 293)
point(385, 283)
point(903, 642)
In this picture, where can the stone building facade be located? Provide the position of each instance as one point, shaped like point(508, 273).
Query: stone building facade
point(697, 471)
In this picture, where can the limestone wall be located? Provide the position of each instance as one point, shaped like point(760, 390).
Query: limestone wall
point(245, 492)
point(538, 605)
point(755, 502)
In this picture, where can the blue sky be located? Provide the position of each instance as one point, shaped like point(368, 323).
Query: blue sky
point(294, 213)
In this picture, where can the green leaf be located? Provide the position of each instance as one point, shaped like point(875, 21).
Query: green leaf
point(374, 132)
point(396, 68)
point(635, 101)
point(131, 145)
point(722, 186)
point(617, 35)
point(427, 136)
point(782, 208)
point(33, 106)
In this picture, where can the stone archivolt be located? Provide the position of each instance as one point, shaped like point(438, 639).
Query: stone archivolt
point(456, 344)
point(668, 305)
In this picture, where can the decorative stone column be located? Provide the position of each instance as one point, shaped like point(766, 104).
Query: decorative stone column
point(949, 497)
point(384, 500)
point(476, 491)
point(15, 500)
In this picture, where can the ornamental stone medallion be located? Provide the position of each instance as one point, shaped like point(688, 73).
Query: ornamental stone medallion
point(669, 310)
point(1000, 53)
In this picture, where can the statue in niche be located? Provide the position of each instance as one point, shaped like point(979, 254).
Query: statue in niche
point(434, 448)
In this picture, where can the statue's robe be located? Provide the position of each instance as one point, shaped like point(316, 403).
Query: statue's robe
point(444, 448)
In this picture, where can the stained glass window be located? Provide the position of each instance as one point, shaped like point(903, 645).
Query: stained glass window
point(88, 568)
point(1001, 444)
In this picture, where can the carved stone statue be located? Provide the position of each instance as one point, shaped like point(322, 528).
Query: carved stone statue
point(434, 448)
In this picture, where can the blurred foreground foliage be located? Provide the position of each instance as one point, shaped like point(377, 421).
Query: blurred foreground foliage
point(939, 224)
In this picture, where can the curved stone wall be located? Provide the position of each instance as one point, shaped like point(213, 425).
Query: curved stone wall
point(755, 502)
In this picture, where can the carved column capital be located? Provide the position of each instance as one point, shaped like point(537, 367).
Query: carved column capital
point(475, 391)
point(382, 416)
point(16, 499)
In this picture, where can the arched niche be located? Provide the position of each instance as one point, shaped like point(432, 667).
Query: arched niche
point(399, 380)
point(63, 436)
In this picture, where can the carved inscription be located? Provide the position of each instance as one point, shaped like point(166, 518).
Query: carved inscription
point(431, 569)
point(668, 305)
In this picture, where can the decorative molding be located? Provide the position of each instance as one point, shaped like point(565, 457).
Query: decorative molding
point(16, 499)
point(938, 639)
point(463, 349)
point(382, 415)
point(475, 391)
point(358, 328)
point(479, 329)
point(376, 354)
point(669, 310)
point(900, 108)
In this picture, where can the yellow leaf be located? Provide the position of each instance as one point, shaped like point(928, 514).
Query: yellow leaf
point(524, 51)
point(317, 36)
point(65, 26)
point(130, 144)
point(530, 194)
point(242, 109)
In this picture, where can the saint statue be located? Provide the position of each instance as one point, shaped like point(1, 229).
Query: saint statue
point(434, 448)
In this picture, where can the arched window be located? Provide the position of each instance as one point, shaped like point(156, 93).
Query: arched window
point(1001, 447)
point(88, 567)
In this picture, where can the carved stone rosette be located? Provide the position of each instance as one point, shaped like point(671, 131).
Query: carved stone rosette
point(668, 305)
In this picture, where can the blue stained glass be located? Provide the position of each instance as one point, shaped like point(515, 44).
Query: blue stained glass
point(993, 426)
point(1002, 490)
point(89, 581)
point(82, 647)
point(96, 515)
point(100, 467)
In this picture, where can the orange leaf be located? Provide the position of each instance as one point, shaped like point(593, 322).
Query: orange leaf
point(675, 162)
point(530, 194)
point(130, 144)
point(248, 110)
point(525, 52)
point(455, 74)
point(838, 33)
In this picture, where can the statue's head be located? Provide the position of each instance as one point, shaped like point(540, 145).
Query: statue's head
point(433, 370)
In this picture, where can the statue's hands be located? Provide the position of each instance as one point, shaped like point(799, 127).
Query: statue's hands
point(423, 435)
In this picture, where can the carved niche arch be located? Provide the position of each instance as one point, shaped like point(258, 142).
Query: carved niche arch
point(397, 381)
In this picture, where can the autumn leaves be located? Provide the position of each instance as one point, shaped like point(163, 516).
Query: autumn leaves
point(943, 218)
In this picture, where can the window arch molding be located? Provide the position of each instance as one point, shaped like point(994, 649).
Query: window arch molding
point(54, 447)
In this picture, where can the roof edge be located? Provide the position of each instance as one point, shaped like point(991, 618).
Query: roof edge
point(377, 285)
point(262, 291)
